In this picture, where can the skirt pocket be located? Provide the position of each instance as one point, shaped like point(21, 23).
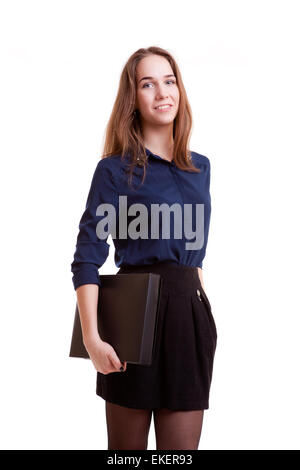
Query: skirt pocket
point(204, 311)
point(205, 300)
point(205, 338)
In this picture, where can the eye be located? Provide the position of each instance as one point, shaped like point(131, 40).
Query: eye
point(149, 83)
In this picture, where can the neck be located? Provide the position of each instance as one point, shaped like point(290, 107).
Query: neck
point(159, 140)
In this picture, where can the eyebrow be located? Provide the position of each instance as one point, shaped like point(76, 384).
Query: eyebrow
point(152, 78)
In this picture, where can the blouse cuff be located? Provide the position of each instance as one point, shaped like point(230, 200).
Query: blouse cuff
point(86, 276)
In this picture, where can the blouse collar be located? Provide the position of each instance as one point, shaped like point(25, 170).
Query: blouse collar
point(151, 154)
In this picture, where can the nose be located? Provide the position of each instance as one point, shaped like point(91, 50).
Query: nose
point(161, 92)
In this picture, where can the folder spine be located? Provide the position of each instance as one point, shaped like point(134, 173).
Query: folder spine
point(149, 327)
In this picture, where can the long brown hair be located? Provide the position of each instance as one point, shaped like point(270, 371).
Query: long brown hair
point(124, 133)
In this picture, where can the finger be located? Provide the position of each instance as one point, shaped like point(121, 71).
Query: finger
point(116, 362)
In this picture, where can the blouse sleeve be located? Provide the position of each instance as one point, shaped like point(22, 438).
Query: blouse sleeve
point(91, 252)
point(208, 209)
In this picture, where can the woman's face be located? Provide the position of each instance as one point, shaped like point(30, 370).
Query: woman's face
point(156, 85)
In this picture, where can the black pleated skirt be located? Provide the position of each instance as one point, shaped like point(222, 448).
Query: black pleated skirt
point(180, 375)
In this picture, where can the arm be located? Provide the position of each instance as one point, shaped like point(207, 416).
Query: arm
point(102, 354)
point(201, 277)
point(90, 254)
point(91, 251)
point(87, 300)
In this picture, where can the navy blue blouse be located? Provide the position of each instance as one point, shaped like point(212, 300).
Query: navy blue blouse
point(164, 183)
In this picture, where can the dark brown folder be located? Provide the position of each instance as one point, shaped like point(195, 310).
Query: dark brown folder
point(128, 308)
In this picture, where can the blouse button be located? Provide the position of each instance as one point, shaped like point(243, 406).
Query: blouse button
point(199, 294)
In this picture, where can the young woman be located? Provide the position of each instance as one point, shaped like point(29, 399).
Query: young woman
point(146, 159)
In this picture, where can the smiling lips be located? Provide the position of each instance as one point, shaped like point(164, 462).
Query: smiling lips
point(163, 107)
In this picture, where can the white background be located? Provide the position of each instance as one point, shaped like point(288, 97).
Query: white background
point(61, 63)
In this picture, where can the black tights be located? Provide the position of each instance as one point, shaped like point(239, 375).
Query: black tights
point(128, 428)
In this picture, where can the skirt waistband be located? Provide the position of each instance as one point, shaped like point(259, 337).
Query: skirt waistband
point(177, 278)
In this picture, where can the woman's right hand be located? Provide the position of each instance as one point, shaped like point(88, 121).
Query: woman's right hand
point(103, 356)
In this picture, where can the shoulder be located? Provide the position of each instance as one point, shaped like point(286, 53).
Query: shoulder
point(109, 163)
point(109, 166)
point(114, 162)
point(199, 159)
point(109, 171)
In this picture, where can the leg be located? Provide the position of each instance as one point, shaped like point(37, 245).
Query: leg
point(177, 429)
point(127, 428)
